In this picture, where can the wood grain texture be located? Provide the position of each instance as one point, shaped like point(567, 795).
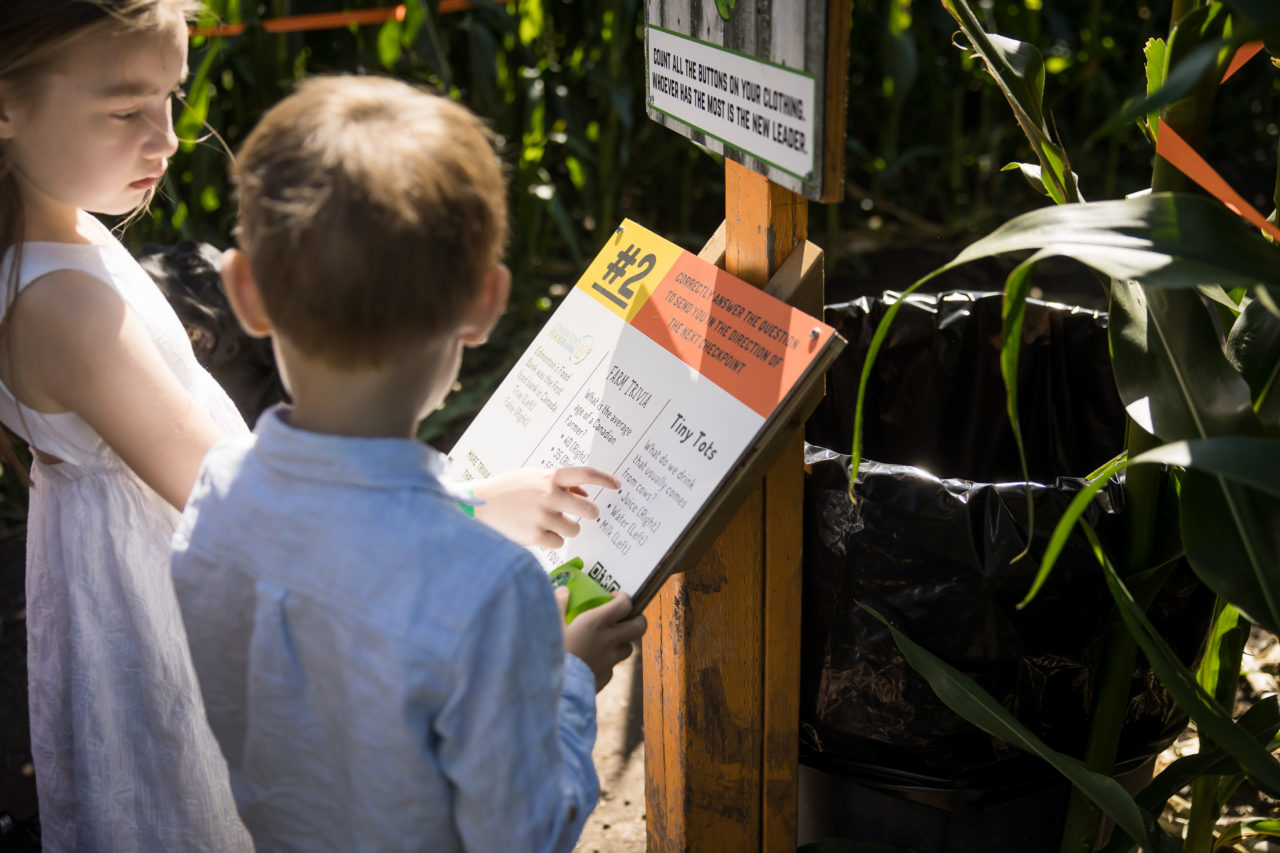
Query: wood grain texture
point(836, 100)
point(721, 658)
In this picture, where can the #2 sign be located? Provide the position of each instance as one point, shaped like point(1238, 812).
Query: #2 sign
point(667, 372)
point(748, 79)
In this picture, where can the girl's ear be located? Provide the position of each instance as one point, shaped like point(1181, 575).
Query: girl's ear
point(243, 294)
point(487, 306)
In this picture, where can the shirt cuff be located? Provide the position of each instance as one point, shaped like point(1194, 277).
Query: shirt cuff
point(578, 698)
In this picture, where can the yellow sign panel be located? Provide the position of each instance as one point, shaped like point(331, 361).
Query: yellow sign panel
point(628, 268)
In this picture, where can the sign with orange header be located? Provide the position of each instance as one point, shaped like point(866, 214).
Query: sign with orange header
point(663, 370)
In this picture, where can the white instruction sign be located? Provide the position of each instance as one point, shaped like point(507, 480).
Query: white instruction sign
point(659, 368)
point(761, 108)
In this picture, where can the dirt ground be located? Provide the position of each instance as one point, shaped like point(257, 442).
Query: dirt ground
point(617, 825)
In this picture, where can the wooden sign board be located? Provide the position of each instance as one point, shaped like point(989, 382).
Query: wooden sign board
point(762, 82)
point(673, 375)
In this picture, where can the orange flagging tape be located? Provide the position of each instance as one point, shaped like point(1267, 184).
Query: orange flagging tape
point(1184, 158)
point(331, 20)
point(1243, 55)
point(1175, 149)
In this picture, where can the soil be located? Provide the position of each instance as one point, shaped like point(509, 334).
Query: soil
point(617, 825)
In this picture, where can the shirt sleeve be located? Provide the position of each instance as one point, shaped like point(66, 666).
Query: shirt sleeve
point(515, 739)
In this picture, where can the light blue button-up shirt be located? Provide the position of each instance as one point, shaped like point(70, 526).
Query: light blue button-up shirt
point(381, 672)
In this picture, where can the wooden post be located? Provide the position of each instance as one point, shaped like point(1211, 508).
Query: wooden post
point(722, 653)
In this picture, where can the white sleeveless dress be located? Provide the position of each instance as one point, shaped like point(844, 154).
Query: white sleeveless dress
point(124, 757)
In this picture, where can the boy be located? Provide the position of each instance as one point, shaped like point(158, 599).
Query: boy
point(381, 672)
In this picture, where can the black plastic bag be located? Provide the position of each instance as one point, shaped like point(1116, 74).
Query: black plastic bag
point(936, 556)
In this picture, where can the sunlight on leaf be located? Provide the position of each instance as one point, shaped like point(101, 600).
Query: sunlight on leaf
point(1018, 70)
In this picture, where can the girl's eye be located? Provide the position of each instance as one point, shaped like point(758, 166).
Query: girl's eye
point(125, 116)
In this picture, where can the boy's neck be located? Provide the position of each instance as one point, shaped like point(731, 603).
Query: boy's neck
point(384, 402)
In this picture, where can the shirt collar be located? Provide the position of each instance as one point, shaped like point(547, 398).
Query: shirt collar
point(378, 462)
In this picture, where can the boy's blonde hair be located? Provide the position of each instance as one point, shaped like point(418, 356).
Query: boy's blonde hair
point(369, 210)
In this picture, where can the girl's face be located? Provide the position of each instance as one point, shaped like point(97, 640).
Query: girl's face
point(98, 130)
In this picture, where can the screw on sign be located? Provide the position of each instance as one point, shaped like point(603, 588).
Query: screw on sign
point(623, 293)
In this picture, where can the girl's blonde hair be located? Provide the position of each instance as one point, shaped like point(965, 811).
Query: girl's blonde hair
point(33, 35)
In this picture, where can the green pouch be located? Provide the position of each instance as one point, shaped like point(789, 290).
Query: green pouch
point(584, 592)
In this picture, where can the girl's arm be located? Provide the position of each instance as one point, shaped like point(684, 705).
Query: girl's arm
point(76, 346)
point(533, 506)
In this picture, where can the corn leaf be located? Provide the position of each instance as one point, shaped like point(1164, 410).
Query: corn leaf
point(1263, 295)
point(1166, 240)
point(1260, 722)
point(1034, 176)
point(1254, 462)
point(1219, 669)
point(1254, 827)
point(1263, 13)
point(1161, 239)
point(1217, 294)
point(1170, 369)
point(1211, 720)
point(1196, 53)
point(1232, 539)
point(1154, 52)
point(1013, 312)
point(1253, 346)
point(1018, 70)
point(963, 695)
point(1176, 383)
point(421, 29)
point(195, 108)
point(1062, 531)
point(873, 349)
point(389, 47)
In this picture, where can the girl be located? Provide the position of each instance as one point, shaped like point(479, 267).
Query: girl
point(98, 376)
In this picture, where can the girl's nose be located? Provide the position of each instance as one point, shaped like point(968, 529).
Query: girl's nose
point(162, 142)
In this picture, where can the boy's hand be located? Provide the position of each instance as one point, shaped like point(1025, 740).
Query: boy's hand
point(602, 636)
point(532, 506)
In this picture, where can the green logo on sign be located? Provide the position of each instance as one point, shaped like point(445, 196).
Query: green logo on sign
point(724, 7)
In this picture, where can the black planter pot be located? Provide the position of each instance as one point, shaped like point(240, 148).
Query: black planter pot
point(932, 542)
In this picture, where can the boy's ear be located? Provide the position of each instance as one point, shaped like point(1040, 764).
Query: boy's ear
point(487, 306)
point(243, 294)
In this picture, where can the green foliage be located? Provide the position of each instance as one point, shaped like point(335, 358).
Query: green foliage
point(1179, 269)
point(928, 134)
point(964, 696)
point(562, 86)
